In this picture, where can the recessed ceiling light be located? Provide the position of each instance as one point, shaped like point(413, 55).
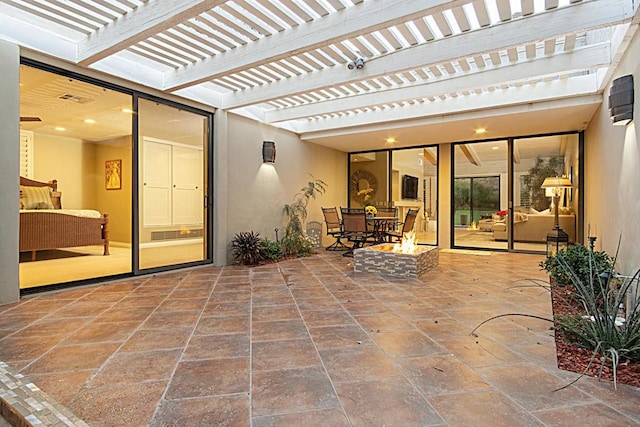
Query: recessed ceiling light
point(127, 110)
point(90, 121)
point(391, 140)
point(495, 148)
point(480, 131)
point(60, 128)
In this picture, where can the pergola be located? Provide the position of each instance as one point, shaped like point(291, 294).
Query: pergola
point(426, 64)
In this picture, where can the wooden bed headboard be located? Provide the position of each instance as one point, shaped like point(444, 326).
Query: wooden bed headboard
point(31, 183)
point(56, 196)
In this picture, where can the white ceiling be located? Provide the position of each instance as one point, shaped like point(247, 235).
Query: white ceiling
point(434, 70)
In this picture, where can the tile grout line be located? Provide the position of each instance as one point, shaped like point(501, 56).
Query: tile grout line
point(313, 342)
point(184, 348)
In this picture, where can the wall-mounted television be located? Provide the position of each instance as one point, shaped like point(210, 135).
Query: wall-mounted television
point(409, 187)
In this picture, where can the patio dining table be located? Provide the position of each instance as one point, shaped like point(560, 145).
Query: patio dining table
point(380, 225)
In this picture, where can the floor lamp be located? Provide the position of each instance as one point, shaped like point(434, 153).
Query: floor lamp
point(557, 239)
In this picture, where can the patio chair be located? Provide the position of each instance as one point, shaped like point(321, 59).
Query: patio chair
point(390, 212)
point(334, 229)
point(354, 227)
point(407, 225)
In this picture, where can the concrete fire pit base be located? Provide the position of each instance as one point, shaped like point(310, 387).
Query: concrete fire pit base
point(382, 260)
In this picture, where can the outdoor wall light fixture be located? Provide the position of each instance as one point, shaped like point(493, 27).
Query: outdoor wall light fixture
point(268, 152)
point(621, 100)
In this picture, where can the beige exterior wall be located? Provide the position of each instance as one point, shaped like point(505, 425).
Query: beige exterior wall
point(256, 191)
point(612, 173)
point(444, 196)
point(9, 170)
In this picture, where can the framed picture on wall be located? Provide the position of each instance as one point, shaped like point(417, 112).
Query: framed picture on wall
point(113, 174)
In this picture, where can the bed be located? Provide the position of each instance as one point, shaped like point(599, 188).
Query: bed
point(44, 225)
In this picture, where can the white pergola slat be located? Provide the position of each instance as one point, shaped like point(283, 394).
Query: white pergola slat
point(138, 25)
point(579, 60)
point(494, 39)
point(285, 60)
point(336, 27)
point(558, 92)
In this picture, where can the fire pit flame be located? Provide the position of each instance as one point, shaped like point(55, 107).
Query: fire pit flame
point(407, 245)
point(474, 226)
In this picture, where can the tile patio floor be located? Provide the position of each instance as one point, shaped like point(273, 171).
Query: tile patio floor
point(307, 342)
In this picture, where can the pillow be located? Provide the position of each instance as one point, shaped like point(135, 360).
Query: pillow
point(533, 211)
point(545, 212)
point(566, 210)
point(36, 197)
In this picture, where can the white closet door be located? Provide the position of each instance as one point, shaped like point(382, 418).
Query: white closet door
point(188, 201)
point(157, 192)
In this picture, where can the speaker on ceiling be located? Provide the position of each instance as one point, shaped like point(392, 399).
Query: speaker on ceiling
point(621, 100)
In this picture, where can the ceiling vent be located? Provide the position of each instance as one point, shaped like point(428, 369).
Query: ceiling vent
point(75, 98)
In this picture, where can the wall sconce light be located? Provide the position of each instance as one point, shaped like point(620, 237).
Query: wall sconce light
point(268, 152)
point(621, 100)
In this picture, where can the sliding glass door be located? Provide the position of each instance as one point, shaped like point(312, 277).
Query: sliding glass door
point(419, 166)
point(479, 193)
point(500, 207)
point(96, 157)
point(534, 160)
point(172, 185)
point(75, 174)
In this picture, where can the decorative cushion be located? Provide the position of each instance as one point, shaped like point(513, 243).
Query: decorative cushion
point(36, 197)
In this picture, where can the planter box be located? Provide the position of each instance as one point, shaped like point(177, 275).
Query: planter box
point(571, 357)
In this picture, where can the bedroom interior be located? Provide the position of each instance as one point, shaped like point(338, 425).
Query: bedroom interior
point(79, 135)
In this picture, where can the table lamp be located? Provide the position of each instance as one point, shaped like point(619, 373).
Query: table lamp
point(557, 239)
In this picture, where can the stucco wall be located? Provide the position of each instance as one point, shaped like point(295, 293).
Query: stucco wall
point(9, 170)
point(612, 174)
point(257, 191)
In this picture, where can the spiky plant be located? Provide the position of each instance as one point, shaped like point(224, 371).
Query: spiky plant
point(246, 248)
point(595, 323)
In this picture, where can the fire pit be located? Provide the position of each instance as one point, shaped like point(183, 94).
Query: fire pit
point(403, 261)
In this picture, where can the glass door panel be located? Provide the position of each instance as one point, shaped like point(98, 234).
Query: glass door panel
point(368, 179)
point(535, 159)
point(172, 186)
point(479, 193)
point(419, 166)
point(83, 141)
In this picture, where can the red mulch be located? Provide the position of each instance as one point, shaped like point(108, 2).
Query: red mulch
point(576, 359)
